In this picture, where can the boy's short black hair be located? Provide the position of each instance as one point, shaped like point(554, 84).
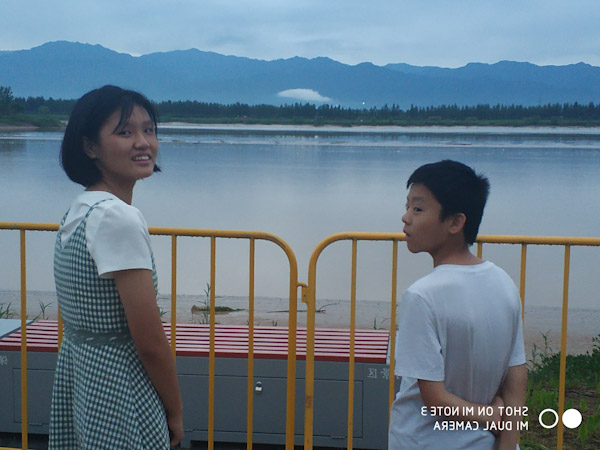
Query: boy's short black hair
point(458, 189)
point(89, 114)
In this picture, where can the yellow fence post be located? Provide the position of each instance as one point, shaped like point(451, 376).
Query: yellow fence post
point(522, 278)
point(393, 325)
point(211, 353)
point(250, 387)
point(24, 436)
point(174, 294)
point(563, 349)
point(350, 434)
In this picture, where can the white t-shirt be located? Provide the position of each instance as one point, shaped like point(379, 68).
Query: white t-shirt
point(116, 233)
point(461, 325)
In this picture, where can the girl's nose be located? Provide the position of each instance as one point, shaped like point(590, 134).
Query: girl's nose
point(141, 141)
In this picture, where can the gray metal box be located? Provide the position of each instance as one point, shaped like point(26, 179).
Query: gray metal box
point(330, 399)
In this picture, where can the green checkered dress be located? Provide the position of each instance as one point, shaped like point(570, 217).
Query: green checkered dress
point(102, 397)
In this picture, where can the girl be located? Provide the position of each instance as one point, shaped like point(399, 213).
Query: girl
point(115, 385)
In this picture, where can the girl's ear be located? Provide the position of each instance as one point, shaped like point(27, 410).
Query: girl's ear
point(457, 223)
point(89, 148)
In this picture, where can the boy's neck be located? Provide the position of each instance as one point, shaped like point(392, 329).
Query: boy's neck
point(457, 255)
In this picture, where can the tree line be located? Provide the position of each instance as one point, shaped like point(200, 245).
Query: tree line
point(391, 114)
point(191, 110)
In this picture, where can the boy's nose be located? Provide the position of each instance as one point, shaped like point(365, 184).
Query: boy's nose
point(405, 217)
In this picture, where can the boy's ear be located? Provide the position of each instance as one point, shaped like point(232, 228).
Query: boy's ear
point(89, 148)
point(457, 223)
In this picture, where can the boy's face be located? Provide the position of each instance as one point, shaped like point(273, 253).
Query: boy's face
point(425, 232)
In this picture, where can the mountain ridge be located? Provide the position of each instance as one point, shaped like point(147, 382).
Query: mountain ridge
point(63, 69)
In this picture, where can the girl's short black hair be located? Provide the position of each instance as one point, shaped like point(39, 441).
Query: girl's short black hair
point(89, 114)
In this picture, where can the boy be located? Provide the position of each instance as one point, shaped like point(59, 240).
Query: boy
point(459, 343)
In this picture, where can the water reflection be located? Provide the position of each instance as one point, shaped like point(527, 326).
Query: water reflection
point(306, 186)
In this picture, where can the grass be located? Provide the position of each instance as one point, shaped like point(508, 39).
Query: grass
point(41, 121)
point(6, 312)
point(582, 391)
point(204, 310)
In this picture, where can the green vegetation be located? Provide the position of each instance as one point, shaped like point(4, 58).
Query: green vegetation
point(204, 310)
point(582, 392)
point(6, 312)
point(498, 115)
point(38, 112)
point(42, 315)
point(48, 113)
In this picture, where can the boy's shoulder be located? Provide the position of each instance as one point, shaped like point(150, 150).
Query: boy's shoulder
point(447, 276)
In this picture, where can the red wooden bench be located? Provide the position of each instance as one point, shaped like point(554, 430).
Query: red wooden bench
point(231, 341)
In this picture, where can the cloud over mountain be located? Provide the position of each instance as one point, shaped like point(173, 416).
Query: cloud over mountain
point(304, 95)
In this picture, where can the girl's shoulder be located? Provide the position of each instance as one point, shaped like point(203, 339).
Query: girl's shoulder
point(99, 208)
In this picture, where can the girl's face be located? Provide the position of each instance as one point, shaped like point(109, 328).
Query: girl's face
point(128, 153)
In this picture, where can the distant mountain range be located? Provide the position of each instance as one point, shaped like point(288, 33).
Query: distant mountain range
point(67, 70)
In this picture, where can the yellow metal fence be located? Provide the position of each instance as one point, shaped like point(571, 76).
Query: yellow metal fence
point(174, 233)
point(394, 238)
point(309, 296)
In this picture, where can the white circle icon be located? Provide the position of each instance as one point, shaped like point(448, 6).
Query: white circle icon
point(571, 418)
point(555, 418)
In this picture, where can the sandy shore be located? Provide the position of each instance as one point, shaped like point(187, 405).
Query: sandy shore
point(540, 321)
point(376, 129)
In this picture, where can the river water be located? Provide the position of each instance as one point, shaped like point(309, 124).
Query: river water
point(304, 184)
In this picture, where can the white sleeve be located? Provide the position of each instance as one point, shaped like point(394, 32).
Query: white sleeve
point(118, 239)
point(517, 356)
point(418, 348)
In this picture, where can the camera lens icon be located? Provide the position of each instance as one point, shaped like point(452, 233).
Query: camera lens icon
point(571, 418)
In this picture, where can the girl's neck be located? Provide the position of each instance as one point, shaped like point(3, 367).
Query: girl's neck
point(125, 193)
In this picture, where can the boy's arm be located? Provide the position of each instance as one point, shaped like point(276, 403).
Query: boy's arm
point(435, 395)
point(513, 391)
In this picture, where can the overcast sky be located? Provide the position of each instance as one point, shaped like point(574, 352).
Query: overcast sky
point(447, 33)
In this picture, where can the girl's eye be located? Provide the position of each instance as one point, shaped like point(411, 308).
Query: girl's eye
point(149, 130)
point(124, 133)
